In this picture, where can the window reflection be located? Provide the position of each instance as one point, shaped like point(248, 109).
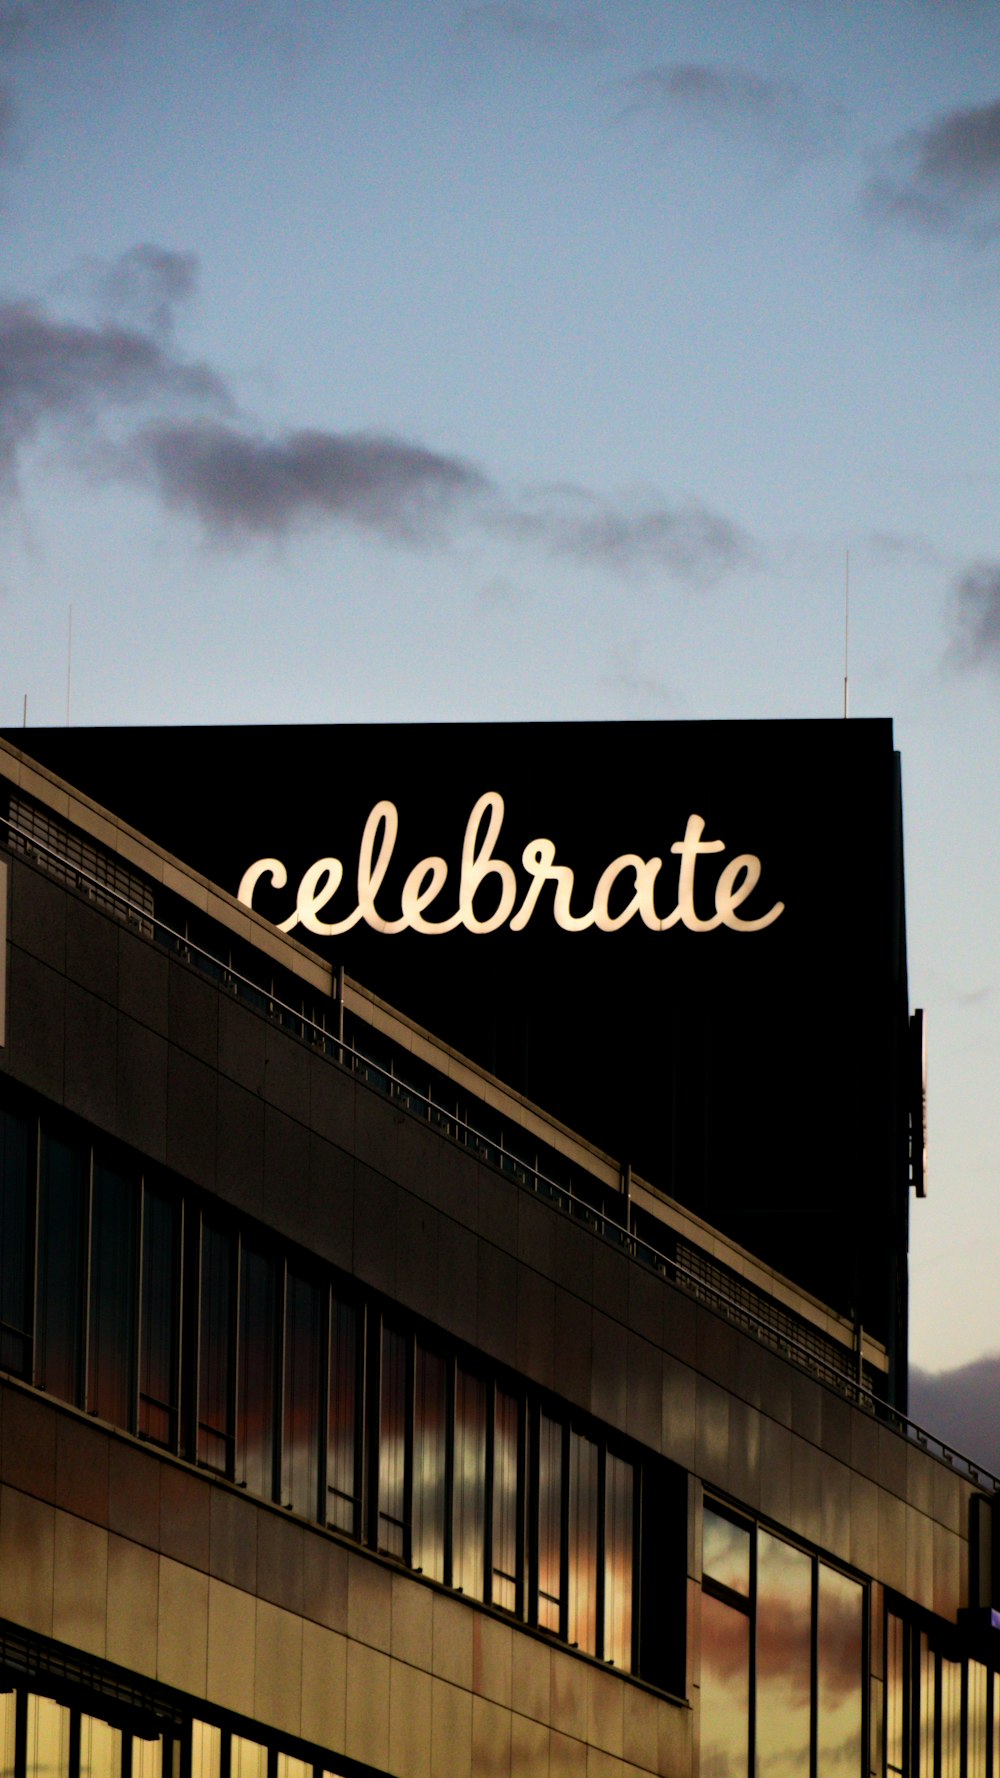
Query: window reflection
point(341, 1460)
point(8, 1731)
point(582, 1543)
point(256, 1427)
point(215, 1369)
point(951, 1719)
point(618, 1553)
point(725, 1689)
point(61, 1252)
point(304, 1331)
point(430, 1473)
point(247, 1759)
point(839, 1647)
point(975, 1716)
point(726, 1552)
point(784, 1658)
point(392, 1445)
point(549, 1523)
point(100, 1749)
point(469, 1510)
point(506, 1428)
point(159, 1309)
point(895, 1693)
point(47, 1740)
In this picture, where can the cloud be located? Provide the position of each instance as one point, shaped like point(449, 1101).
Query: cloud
point(7, 110)
point(239, 483)
point(561, 28)
point(959, 1407)
point(632, 536)
point(65, 371)
point(776, 114)
point(143, 286)
point(975, 639)
point(945, 178)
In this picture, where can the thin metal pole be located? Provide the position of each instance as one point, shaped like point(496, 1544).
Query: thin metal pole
point(847, 621)
point(69, 665)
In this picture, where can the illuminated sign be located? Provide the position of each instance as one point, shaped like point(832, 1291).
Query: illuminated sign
point(320, 882)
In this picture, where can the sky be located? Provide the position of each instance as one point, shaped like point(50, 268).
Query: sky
point(376, 360)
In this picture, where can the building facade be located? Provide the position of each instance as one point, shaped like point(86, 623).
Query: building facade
point(359, 1417)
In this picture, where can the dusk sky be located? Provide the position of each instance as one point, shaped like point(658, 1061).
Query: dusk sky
point(364, 360)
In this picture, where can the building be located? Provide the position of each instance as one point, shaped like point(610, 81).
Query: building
point(360, 1416)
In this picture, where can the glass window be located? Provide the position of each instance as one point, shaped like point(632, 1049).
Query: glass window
point(113, 1293)
point(506, 1541)
point(469, 1504)
point(430, 1413)
point(839, 1696)
point(618, 1551)
point(100, 1749)
point(256, 1426)
point(895, 1692)
point(215, 1371)
point(62, 1223)
point(247, 1759)
point(304, 1337)
point(147, 1758)
point(583, 1485)
point(928, 1696)
point(975, 1722)
point(341, 1461)
point(549, 1523)
point(8, 1733)
point(47, 1754)
point(392, 1524)
point(16, 1223)
point(206, 1750)
point(951, 1719)
point(726, 1556)
point(159, 1312)
point(784, 1657)
point(725, 1689)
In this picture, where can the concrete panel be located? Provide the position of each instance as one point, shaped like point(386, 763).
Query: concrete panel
point(82, 1477)
point(133, 1605)
point(92, 949)
point(568, 1695)
point(231, 1648)
point(451, 1731)
point(182, 1628)
point(567, 1757)
point(193, 1014)
point(409, 1721)
point(143, 974)
point(278, 1668)
point(678, 1412)
point(367, 1736)
point(134, 1493)
point(27, 1556)
point(185, 1515)
point(332, 1189)
point(492, 1659)
point(91, 1065)
point(324, 1687)
point(531, 1677)
point(529, 1748)
point(80, 1584)
point(286, 1073)
point(36, 1027)
point(611, 1279)
point(141, 1088)
point(281, 1560)
point(29, 1444)
point(496, 1325)
point(325, 1584)
point(239, 1147)
point(604, 1342)
point(606, 1711)
point(369, 1603)
point(38, 914)
point(640, 1717)
point(451, 1641)
point(412, 1621)
point(192, 1116)
point(490, 1740)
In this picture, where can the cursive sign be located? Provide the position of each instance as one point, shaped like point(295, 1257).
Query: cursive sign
point(514, 904)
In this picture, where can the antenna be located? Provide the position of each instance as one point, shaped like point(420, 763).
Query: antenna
point(24, 718)
point(69, 665)
point(847, 620)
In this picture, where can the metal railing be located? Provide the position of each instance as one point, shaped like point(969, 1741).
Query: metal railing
point(492, 1151)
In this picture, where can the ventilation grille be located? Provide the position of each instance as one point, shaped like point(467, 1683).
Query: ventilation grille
point(71, 858)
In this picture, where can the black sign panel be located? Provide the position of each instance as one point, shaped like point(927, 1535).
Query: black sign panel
point(685, 940)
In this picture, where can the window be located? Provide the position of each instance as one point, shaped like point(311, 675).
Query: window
point(782, 1657)
point(942, 1708)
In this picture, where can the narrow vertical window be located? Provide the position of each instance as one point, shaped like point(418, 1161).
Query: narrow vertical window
point(784, 1657)
point(392, 1517)
point(975, 1721)
point(247, 1759)
point(256, 1427)
point(62, 1223)
point(113, 1293)
point(469, 1508)
point(215, 1350)
point(16, 1223)
point(839, 1695)
point(549, 1524)
point(8, 1733)
point(100, 1749)
point(342, 1421)
point(583, 1484)
point(430, 1474)
point(48, 1739)
point(304, 1336)
point(951, 1719)
point(619, 1497)
point(506, 1536)
point(725, 1688)
point(895, 1694)
point(147, 1758)
point(928, 1705)
point(206, 1750)
point(158, 1320)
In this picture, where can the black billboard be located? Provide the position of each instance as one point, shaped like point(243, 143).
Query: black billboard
point(685, 940)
